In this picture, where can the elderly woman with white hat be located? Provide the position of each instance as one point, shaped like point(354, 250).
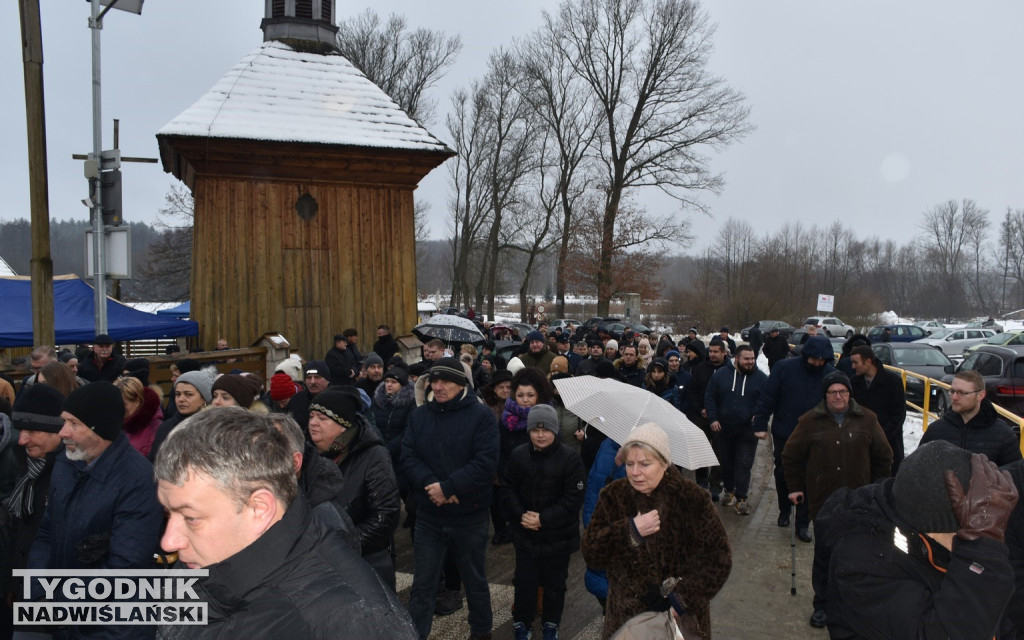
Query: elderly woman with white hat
point(656, 532)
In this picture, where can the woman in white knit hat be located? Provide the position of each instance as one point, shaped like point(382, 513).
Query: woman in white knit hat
point(657, 532)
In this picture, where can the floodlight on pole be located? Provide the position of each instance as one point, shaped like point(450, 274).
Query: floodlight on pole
point(95, 183)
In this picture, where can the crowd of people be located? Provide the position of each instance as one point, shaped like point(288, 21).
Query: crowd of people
point(291, 490)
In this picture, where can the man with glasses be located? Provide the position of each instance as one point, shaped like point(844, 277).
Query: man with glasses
point(972, 422)
point(836, 444)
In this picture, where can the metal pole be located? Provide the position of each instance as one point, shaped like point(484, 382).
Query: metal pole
point(99, 260)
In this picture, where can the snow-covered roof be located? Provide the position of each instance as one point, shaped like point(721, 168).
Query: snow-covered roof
point(5, 269)
point(279, 94)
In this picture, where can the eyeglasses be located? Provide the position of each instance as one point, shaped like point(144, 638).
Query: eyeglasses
point(959, 392)
point(838, 393)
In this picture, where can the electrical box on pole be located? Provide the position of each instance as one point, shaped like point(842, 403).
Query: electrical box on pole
point(110, 197)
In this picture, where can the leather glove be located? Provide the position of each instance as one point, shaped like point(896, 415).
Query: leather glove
point(985, 508)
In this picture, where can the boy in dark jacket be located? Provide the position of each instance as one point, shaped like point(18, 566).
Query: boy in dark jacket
point(542, 491)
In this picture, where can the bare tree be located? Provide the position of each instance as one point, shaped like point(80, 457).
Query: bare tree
point(948, 229)
point(404, 64)
point(169, 266)
point(645, 64)
point(1011, 244)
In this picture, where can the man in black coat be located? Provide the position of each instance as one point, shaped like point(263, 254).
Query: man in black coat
point(755, 338)
point(697, 413)
point(385, 346)
point(972, 422)
point(275, 571)
point(104, 363)
point(631, 370)
point(342, 362)
point(775, 347)
point(921, 555)
point(881, 390)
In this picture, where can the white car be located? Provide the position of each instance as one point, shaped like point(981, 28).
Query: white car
point(952, 342)
point(833, 327)
point(930, 326)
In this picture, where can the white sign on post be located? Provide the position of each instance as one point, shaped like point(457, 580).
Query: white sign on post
point(117, 251)
point(826, 302)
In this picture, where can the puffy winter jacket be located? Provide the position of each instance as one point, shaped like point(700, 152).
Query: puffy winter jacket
point(297, 580)
point(370, 490)
point(454, 443)
point(391, 414)
point(985, 433)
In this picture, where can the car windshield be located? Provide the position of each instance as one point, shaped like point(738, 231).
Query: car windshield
point(1000, 338)
point(919, 357)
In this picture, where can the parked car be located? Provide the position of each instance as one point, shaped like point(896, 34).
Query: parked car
point(563, 323)
point(785, 330)
point(954, 341)
point(1003, 371)
point(1007, 339)
point(985, 324)
point(930, 326)
point(834, 327)
point(897, 333)
point(918, 358)
point(521, 328)
point(619, 327)
point(598, 321)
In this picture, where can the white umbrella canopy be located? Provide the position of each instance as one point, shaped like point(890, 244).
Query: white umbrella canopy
point(449, 328)
point(615, 408)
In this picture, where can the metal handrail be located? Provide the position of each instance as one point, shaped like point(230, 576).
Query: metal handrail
point(926, 412)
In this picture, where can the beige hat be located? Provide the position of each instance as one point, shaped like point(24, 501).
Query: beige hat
point(559, 365)
point(651, 435)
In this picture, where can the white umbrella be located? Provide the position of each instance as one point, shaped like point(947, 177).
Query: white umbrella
point(449, 328)
point(615, 408)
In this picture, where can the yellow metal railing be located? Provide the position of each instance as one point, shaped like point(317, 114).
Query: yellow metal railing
point(926, 413)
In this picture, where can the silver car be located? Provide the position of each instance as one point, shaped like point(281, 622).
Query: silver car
point(833, 327)
point(952, 342)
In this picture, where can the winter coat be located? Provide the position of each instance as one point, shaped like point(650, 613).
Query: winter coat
point(822, 456)
point(141, 426)
point(732, 397)
point(342, 364)
point(391, 413)
point(386, 347)
point(588, 367)
point(692, 545)
point(549, 482)
point(110, 370)
point(682, 378)
point(756, 338)
point(115, 497)
point(297, 580)
point(19, 533)
point(568, 423)
point(370, 490)
point(986, 433)
point(540, 361)
point(9, 466)
point(164, 430)
point(669, 392)
point(454, 443)
point(887, 398)
point(320, 480)
point(1015, 543)
point(793, 389)
point(887, 581)
point(602, 473)
point(298, 408)
point(698, 387)
point(775, 349)
point(632, 375)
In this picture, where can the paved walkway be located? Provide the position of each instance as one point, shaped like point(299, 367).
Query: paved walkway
point(755, 602)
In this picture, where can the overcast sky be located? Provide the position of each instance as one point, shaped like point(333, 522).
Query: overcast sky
point(866, 112)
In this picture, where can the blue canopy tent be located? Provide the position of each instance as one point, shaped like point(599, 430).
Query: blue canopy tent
point(75, 317)
point(181, 311)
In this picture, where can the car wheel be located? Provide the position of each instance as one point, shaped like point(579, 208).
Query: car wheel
point(849, 334)
point(941, 403)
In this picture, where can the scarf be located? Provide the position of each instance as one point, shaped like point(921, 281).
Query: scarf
point(514, 417)
point(338, 450)
point(20, 502)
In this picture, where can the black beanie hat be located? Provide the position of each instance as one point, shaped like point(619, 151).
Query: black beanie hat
point(398, 373)
point(318, 367)
point(449, 369)
point(99, 406)
point(38, 409)
point(341, 404)
point(188, 364)
point(835, 377)
point(242, 388)
point(919, 490)
point(139, 368)
point(418, 369)
point(605, 369)
point(501, 375)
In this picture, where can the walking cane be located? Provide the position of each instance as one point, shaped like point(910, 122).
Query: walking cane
point(792, 548)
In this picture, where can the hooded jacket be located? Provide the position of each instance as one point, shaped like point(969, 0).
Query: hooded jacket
point(141, 426)
point(888, 581)
point(732, 397)
point(297, 580)
point(454, 443)
point(390, 416)
point(793, 389)
point(986, 433)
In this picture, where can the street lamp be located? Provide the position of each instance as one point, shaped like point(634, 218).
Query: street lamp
point(96, 163)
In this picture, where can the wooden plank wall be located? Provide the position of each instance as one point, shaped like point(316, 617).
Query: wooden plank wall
point(258, 267)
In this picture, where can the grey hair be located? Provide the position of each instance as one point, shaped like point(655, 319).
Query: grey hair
point(291, 429)
point(646, 448)
point(239, 450)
